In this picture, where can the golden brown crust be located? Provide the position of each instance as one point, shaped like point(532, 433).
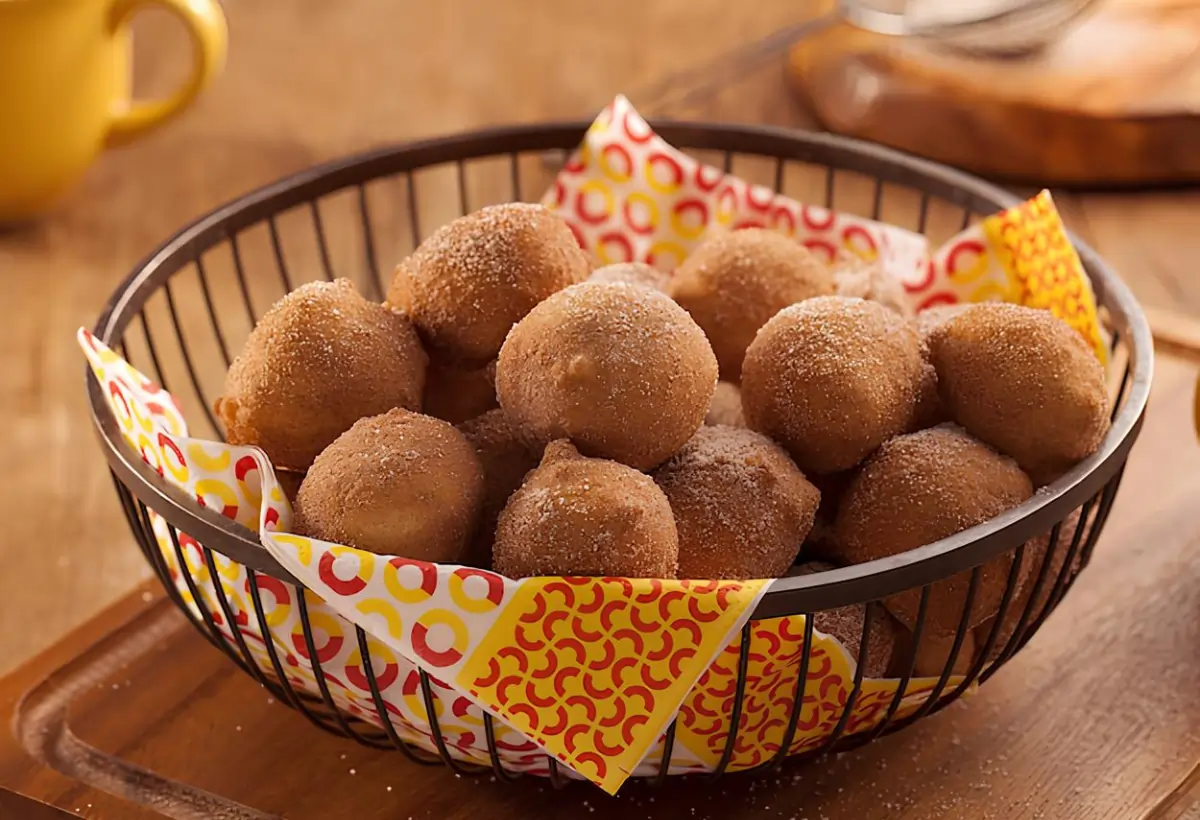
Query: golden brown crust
point(1025, 382)
point(847, 623)
point(831, 379)
point(917, 489)
point(726, 406)
point(506, 459)
point(586, 516)
point(735, 282)
point(319, 360)
point(455, 392)
point(621, 370)
point(632, 273)
point(477, 276)
point(396, 484)
point(742, 508)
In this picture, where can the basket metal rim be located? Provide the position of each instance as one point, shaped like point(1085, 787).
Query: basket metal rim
point(785, 596)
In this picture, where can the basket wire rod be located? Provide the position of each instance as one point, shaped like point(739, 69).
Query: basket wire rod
point(149, 546)
point(187, 359)
point(960, 634)
point(1016, 639)
point(159, 374)
point(727, 163)
point(1069, 569)
point(557, 780)
point(735, 717)
point(780, 167)
point(860, 669)
point(374, 277)
point(664, 763)
point(923, 213)
point(877, 199)
point(135, 527)
point(460, 173)
point(209, 629)
point(514, 174)
point(1120, 393)
point(212, 310)
point(201, 605)
point(918, 629)
point(414, 214)
point(231, 618)
point(489, 733)
point(1107, 496)
point(236, 252)
point(830, 185)
point(966, 220)
point(319, 673)
point(798, 695)
point(314, 210)
point(435, 728)
point(381, 710)
point(288, 694)
point(277, 251)
point(982, 654)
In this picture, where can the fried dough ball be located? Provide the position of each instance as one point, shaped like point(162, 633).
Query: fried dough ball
point(1036, 552)
point(735, 282)
point(621, 370)
point(742, 508)
point(846, 624)
point(831, 379)
point(868, 280)
point(586, 516)
point(506, 459)
point(917, 489)
point(1025, 382)
point(726, 406)
point(477, 276)
point(632, 273)
point(396, 484)
point(455, 393)
point(319, 360)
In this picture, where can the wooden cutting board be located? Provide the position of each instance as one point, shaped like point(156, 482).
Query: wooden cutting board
point(1115, 102)
point(135, 717)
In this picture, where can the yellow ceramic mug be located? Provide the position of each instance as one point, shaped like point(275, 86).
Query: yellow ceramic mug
point(65, 89)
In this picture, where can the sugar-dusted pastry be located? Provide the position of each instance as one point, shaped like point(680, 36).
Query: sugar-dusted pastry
point(619, 369)
point(477, 276)
point(400, 483)
point(319, 360)
point(586, 516)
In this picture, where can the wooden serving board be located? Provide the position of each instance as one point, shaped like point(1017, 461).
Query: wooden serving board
point(1115, 102)
point(135, 717)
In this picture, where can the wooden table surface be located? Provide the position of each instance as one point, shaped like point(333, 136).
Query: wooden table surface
point(308, 80)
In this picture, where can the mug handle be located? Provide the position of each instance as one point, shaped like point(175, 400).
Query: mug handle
point(205, 24)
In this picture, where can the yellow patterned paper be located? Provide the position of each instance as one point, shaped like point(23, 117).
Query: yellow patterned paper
point(594, 668)
point(1031, 244)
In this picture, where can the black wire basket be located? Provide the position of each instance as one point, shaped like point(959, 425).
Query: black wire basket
point(182, 311)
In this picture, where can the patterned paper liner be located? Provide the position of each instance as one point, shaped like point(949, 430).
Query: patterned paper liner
point(588, 670)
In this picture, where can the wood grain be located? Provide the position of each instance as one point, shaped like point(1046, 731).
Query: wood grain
point(311, 80)
point(1096, 718)
point(1115, 101)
